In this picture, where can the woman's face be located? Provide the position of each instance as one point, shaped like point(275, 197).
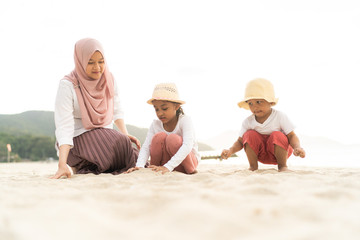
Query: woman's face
point(96, 66)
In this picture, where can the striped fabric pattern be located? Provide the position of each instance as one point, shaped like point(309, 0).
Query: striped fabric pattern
point(102, 150)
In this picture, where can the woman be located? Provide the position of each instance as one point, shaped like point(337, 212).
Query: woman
point(87, 103)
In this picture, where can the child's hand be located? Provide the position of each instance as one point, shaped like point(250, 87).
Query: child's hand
point(161, 169)
point(225, 154)
point(132, 169)
point(299, 152)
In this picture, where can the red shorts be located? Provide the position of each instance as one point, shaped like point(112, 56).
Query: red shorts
point(264, 145)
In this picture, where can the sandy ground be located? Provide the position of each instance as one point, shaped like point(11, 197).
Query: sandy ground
point(223, 201)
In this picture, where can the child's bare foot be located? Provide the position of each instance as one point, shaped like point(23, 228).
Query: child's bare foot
point(253, 168)
point(284, 169)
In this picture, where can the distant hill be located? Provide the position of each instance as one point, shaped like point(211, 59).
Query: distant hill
point(38, 123)
point(41, 123)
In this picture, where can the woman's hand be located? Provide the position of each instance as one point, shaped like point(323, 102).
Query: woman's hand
point(132, 169)
point(135, 140)
point(161, 169)
point(63, 170)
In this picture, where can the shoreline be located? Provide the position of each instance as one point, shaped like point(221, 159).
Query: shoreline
point(235, 162)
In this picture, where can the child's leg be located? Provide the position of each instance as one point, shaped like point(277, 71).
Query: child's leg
point(281, 157)
point(189, 164)
point(278, 144)
point(158, 153)
point(252, 158)
point(253, 143)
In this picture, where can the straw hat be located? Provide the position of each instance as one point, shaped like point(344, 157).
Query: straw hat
point(166, 92)
point(258, 88)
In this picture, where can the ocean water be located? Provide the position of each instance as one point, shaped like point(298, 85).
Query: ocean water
point(343, 156)
point(335, 156)
point(320, 152)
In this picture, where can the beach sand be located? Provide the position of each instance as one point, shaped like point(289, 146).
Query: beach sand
point(222, 201)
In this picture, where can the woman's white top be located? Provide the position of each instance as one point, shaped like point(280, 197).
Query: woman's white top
point(185, 129)
point(68, 116)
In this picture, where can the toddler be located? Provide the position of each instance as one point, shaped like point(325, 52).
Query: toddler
point(267, 135)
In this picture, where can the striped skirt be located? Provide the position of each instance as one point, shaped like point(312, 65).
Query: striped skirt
point(102, 150)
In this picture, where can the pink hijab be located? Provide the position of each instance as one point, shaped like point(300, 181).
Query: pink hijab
point(95, 97)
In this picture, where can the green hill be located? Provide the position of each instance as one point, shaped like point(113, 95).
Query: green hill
point(37, 123)
point(32, 135)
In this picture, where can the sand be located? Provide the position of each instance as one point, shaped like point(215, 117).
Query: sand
point(223, 201)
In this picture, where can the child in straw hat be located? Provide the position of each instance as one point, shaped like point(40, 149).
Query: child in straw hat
point(170, 141)
point(267, 135)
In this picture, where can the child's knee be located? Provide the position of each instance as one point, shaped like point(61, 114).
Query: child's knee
point(277, 135)
point(252, 139)
point(173, 143)
point(280, 139)
point(174, 140)
point(279, 149)
point(247, 146)
point(159, 137)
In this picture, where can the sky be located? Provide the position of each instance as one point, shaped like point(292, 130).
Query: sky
point(309, 50)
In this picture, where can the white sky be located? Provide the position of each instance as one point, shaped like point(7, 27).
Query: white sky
point(310, 50)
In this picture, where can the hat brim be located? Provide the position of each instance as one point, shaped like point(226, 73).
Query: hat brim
point(245, 105)
point(165, 99)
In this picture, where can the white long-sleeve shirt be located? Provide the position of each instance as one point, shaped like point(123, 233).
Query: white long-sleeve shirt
point(68, 116)
point(185, 129)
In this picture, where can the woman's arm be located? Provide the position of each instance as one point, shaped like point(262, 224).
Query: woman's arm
point(119, 116)
point(64, 122)
point(63, 169)
point(120, 124)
